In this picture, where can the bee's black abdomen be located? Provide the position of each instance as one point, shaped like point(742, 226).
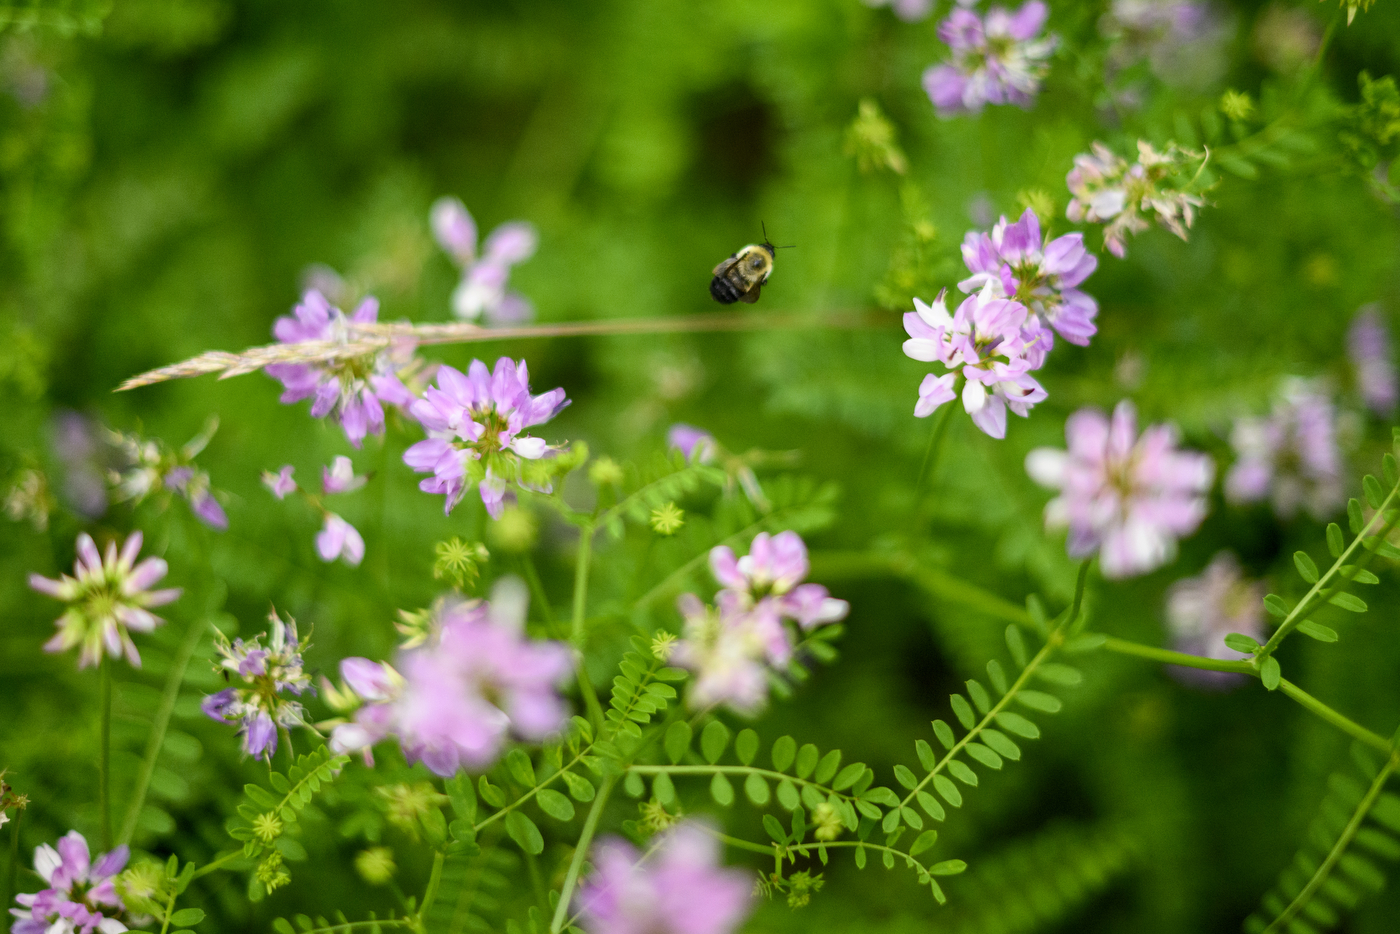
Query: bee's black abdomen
point(724, 291)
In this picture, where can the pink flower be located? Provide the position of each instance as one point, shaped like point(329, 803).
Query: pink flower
point(340, 539)
point(280, 483)
point(771, 575)
point(697, 444)
point(1203, 610)
point(911, 11)
point(108, 597)
point(81, 897)
point(1368, 345)
point(1042, 276)
point(997, 60)
point(465, 692)
point(340, 477)
point(353, 389)
point(679, 890)
point(1107, 190)
point(475, 423)
point(1130, 498)
point(482, 289)
point(1290, 457)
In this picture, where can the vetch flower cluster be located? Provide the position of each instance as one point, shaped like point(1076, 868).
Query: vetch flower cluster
point(152, 466)
point(1107, 190)
point(1128, 497)
point(268, 673)
point(680, 889)
point(732, 646)
point(1290, 457)
point(352, 389)
point(1203, 610)
point(993, 342)
point(453, 702)
point(1042, 276)
point(337, 538)
point(108, 597)
point(80, 897)
point(999, 59)
point(482, 290)
point(475, 423)
point(1372, 360)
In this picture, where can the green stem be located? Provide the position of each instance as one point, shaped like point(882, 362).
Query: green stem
point(577, 633)
point(1306, 700)
point(590, 825)
point(218, 863)
point(104, 795)
point(1320, 876)
point(169, 910)
point(159, 724)
point(732, 770)
point(531, 793)
point(430, 894)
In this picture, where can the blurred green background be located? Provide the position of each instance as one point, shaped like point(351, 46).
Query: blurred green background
point(170, 168)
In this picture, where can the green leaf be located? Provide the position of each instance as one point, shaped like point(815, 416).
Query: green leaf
point(847, 776)
point(524, 832)
point(1349, 602)
point(1335, 543)
point(882, 795)
point(1276, 605)
point(490, 793)
point(1016, 643)
point(996, 676)
point(1015, 723)
point(905, 777)
point(979, 696)
point(949, 867)
point(944, 732)
point(721, 790)
point(1062, 675)
point(931, 806)
point(677, 741)
point(827, 767)
point(1355, 518)
point(1389, 471)
point(633, 785)
point(923, 841)
point(556, 805)
point(463, 796)
point(783, 751)
point(1038, 700)
point(1306, 568)
point(756, 789)
point(891, 821)
point(1001, 744)
point(788, 796)
point(983, 755)
point(1372, 488)
point(774, 828)
point(960, 770)
point(260, 796)
point(1359, 575)
point(912, 818)
point(580, 787)
point(1319, 632)
point(1085, 642)
point(713, 740)
point(963, 711)
point(1241, 642)
point(947, 790)
point(926, 756)
point(806, 760)
point(186, 917)
point(860, 857)
point(746, 746)
point(664, 788)
point(1269, 673)
point(518, 764)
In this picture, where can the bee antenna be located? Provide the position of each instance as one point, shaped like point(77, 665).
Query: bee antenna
point(768, 243)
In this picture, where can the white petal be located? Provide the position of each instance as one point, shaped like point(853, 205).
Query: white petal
point(1047, 467)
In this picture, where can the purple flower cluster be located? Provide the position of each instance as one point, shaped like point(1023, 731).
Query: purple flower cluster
point(732, 645)
point(354, 389)
point(1368, 345)
point(454, 701)
point(482, 290)
point(993, 341)
point(1126, 496)
point(999, 59)
point(1203, 610)
point(1291, 457)
point(108, 596)
point(80, 898)
point(1107, 190)
point(475, 423)
point(268, 672)
point(696, 444)
point(1179, 38)
point(1042, 276)
point(337, 538)
point(681, 889)
point(152, 466)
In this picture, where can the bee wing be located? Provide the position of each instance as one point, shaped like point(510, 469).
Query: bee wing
point(751, 295)
point(724, 267)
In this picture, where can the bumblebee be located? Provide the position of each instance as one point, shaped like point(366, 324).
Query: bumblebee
point(740, 278)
